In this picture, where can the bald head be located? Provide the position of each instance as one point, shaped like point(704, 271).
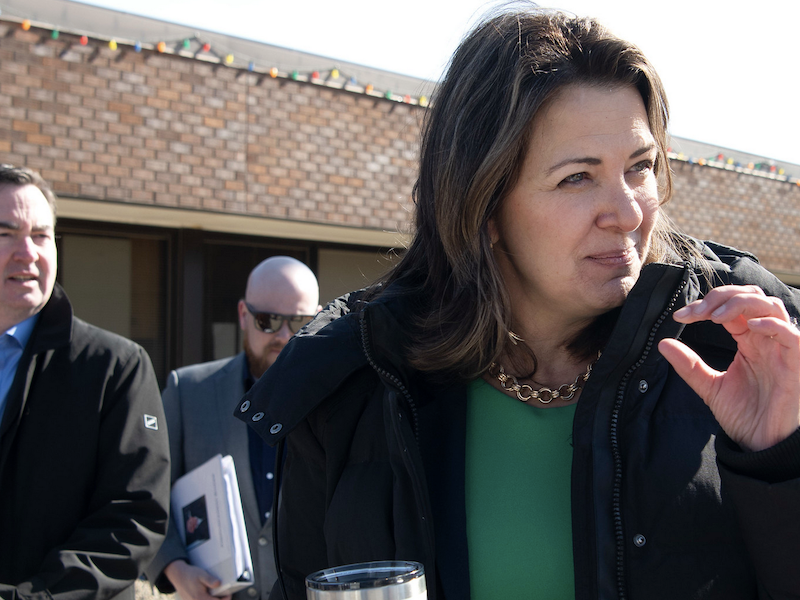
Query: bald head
point(281, 286)
point(282, 280)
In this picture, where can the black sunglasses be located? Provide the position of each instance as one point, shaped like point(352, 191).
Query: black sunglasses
point(272, 322)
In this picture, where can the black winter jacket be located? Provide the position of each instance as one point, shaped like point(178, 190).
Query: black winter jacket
point(664, 505)
point(84, 464)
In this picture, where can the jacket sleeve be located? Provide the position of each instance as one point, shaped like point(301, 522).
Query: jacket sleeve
point(765, 487)
point(128, 505)
point(172, 549)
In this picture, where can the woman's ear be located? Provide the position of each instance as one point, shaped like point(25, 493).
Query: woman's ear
point(494, 234)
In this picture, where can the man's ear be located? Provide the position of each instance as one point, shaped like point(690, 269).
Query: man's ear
point(242, 315)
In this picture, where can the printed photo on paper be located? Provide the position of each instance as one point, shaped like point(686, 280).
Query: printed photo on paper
point(195, 522)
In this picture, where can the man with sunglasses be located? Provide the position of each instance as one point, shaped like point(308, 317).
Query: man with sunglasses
point(282, 295)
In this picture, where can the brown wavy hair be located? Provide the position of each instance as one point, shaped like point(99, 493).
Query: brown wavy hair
point(474, 142)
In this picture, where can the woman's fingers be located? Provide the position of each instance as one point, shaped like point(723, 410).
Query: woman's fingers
point(757, 400)
point(734, 307)
point(727, 302)
point(782, 332)
point(690, 367)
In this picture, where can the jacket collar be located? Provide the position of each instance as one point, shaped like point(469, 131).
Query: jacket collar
point(290, 390)
point(351, 330)
point(54, 328)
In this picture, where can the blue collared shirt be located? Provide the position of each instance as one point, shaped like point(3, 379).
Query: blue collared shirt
point(12, 343)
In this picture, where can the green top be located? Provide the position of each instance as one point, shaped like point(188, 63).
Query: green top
point(519, 528)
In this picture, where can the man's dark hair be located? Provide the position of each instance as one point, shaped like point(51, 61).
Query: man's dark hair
point(25, 176)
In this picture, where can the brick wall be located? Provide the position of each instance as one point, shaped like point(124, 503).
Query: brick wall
point(753, 213)
point(164, 130)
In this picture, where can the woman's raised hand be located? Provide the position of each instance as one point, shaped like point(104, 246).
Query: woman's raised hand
point(757, 400)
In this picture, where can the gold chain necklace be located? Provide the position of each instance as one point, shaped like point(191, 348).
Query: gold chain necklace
point(525, 392)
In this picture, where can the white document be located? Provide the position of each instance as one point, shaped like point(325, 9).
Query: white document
point(207, 510)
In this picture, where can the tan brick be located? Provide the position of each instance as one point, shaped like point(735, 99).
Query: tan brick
point(26, 126)
point(41, 140)
point(235, 185)
point(214, 123)
point(168, 94)
point(120, 107)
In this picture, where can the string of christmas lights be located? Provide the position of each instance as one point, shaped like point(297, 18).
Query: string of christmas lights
point(719, 161)
point(196, 48)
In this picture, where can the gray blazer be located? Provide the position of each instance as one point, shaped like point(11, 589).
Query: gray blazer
point(199, 402)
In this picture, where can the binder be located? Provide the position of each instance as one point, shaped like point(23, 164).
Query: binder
point(207, 510)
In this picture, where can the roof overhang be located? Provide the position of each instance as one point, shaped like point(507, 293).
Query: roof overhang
point(179, 218)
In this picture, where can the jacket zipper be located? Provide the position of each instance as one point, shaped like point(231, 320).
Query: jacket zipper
point(619, 534)
point(394, 380)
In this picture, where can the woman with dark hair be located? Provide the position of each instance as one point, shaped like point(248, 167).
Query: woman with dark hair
point(554, 394)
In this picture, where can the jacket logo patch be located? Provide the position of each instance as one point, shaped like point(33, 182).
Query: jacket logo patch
point(151, 422)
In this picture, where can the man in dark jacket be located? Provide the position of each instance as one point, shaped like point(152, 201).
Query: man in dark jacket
point(84, 456)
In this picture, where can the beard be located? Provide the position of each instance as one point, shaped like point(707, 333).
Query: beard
point(259, 363)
